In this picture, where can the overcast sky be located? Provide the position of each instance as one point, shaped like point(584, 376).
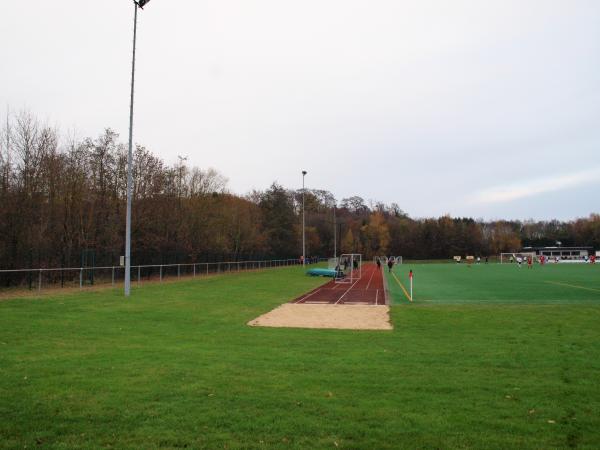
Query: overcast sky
point(473, 108)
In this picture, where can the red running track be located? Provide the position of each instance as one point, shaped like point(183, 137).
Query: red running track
point(368, 290)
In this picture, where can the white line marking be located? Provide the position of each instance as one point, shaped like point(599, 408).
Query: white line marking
point(356, 303)
point(369, 283)
point(315, 302)
point(376, 295)
point(344, 294)
point(305, 297)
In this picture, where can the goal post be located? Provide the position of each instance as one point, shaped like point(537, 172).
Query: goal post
point(507, 258)
point(349, 268)
point(384, 259)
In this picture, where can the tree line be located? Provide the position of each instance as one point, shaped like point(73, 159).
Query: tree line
point(62, 203)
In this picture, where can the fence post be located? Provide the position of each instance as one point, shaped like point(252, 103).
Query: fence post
point(178, 270)
point(206, 268)
point(81, 278)
point(139, 275)
point(194, 270)
point(40, 281)
point(160, 276)
point(113, 276)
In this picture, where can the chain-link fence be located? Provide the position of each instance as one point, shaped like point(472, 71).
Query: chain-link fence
point(81, 277)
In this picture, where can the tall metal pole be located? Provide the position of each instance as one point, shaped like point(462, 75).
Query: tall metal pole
point(6, 173)
point(303, 234)
point(129, 164)
point(334, 235)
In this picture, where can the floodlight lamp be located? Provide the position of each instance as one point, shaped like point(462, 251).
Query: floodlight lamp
point(304, 172)
point(142, 3)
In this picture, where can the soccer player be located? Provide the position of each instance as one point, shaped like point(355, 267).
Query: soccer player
point(390, 264)
point(378, 261)
point(519, 261)
point(529, 262)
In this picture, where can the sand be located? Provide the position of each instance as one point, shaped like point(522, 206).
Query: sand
point(342, 317)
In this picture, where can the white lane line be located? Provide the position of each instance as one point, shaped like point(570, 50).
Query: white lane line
point(315, 302)
point(369, 283)
point(344, 294)
point(309, 295)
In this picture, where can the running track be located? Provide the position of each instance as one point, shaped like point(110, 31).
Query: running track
point(368, 290)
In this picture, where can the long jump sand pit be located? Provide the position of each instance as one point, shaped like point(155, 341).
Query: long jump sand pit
point(341, 317)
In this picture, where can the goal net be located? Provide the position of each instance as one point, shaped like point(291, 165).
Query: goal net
point(506, 258)
point(349, 268)
point(384, 259)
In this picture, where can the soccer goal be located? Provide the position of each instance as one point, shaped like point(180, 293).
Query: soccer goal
point(349, 268)
point(384, 259)
point(506, 258)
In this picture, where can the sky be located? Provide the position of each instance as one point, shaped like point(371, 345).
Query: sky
point(483, 109)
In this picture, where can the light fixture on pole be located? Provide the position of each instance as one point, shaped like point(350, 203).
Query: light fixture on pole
point(136, 4)
point(304, 172)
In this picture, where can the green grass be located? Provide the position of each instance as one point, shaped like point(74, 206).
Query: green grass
point(498, 283)
point(176, 366)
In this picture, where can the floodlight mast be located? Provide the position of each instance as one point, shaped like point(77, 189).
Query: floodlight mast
point(304, 172)
point(136, 4)
point(334, 234)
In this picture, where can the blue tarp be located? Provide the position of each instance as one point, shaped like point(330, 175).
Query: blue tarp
point(321, 273)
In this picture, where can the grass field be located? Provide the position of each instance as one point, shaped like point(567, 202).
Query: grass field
point(176, 366)
point(497, 283)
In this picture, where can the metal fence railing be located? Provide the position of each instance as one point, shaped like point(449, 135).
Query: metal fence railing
point(64, 277)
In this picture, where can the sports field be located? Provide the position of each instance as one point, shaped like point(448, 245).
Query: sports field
point(496, 283)
point(177, 366)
